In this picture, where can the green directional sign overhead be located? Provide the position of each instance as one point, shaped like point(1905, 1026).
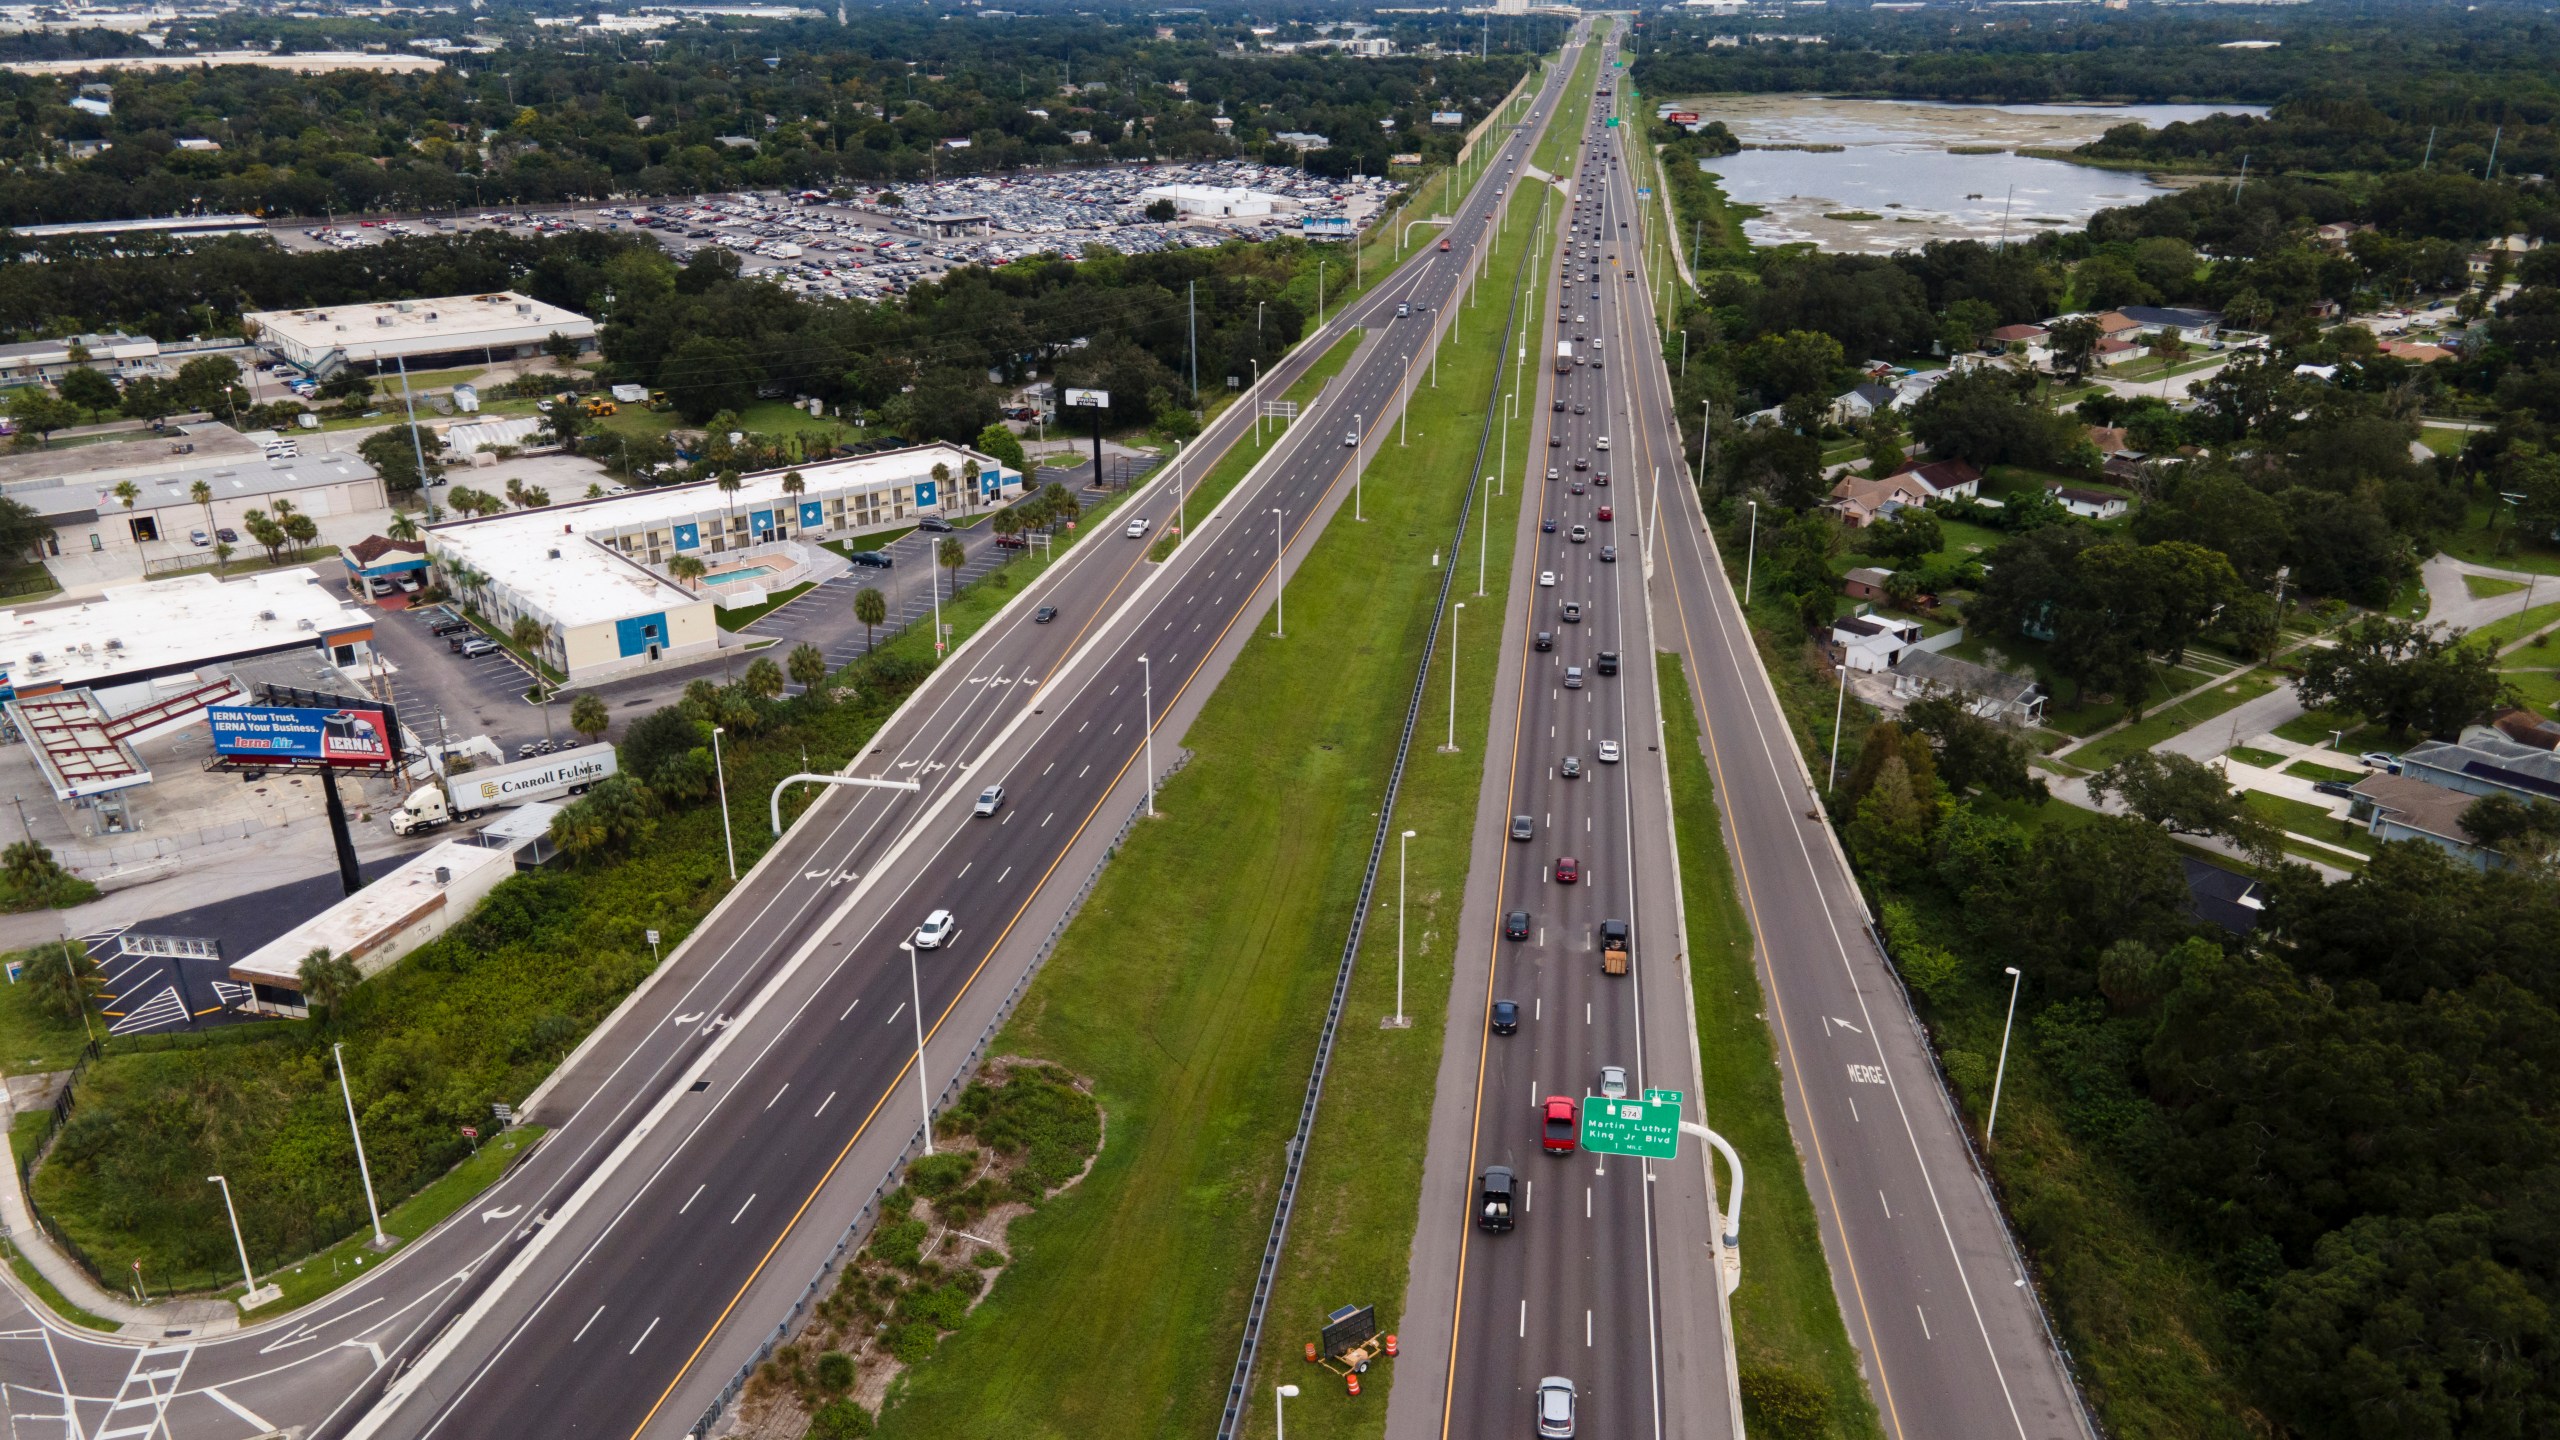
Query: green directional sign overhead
point(1613, 122)
point(1647, 1128)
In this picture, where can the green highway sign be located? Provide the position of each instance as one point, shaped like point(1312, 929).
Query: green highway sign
point(1646, 1128)
point(1662, 1097)
point(1613, 122)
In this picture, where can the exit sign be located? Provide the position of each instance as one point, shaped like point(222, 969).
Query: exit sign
point(1647, 1128)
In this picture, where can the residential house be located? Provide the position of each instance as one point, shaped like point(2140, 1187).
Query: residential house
point(2416, 352)
point(1860, 499)
point(2403, 807)
point(1872, 642)
point(2478, 262)
point(1946, 479)
point(1861, 403)
point(1992, 694)
point(2485, 762)
point(2525, 728)
point(2089, 504)
point(2224, 898)
point(2127, 467)
point(2116, 325)
point(2115, 350)
point(1865, 583)
point(2196, 327)
point(2008, 335)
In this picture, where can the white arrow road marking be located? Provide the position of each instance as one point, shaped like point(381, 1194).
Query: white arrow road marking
point(813, 875)
point(309, 1330)
point(365, 1345)
point(688, 1019)
point(1845, 1025)
point(236, 1408)
point(488, 1215)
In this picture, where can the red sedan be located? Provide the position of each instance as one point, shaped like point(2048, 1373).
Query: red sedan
point(1606, 513)
point(1560, 1131)
point(1568, 870)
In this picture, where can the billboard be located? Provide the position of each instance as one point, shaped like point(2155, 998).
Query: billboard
point(1088, 399)
point(349, 737)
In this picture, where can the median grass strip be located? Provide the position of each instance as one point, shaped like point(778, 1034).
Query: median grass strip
point(1197, 1016)
point(1787, 1332)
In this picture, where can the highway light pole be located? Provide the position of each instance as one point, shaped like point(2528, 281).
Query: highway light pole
point(1253, 393)
point(2015, 979)
point(1839, 707)
point(1148, 672)
point(1403, 410)
point(720, 769)
point(1706, 412)
point(924, 1098)
point(1279, 576)
point(1452, 747)
point(1399, 1022)
point(1751, 551)
point(249, 1278)
point(1280, 1396)
point(381, 1241)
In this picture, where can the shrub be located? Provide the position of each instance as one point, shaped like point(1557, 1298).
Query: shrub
point(936, 1176)
point(1783, 1403)
point(840, 1420)
point(835, 1370)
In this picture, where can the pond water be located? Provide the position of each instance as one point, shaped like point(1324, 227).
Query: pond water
point(1899, 164)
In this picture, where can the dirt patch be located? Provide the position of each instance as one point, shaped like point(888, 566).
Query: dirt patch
point(1021, 1133)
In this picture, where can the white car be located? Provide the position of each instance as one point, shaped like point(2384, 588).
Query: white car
point(936, 929)
point(990, 800)
point(1546, 577)
point(1350, 439)
point(1137, 528)
point(1608, 752)
point(1603, 441)
point(1613, 1082)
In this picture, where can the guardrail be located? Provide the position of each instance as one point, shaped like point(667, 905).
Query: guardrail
point(960, 1075)
point(1287, 1202)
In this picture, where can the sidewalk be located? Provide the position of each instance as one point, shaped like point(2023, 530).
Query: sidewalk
point(142, 1322)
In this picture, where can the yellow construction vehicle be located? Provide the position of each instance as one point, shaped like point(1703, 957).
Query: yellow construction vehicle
point(599, 407)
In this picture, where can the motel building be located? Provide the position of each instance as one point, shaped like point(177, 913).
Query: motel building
point(595, 573)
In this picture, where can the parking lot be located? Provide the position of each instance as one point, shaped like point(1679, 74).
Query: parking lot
point(442, 695)
point(853, 247)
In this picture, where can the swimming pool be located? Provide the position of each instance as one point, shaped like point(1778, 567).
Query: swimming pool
point(727, 577)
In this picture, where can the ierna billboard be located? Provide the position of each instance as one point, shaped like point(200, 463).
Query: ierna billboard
point(328, 737)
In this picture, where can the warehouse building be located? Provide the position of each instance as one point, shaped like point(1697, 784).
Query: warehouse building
point(596, 576)
point(1222, 202)
point(456, 329)
point(89, 515)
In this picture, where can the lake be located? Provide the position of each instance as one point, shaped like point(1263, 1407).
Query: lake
point(1898, 164)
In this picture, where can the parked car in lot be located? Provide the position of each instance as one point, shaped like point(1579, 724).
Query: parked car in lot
point(935, 523)
point(477, 646)
point(874, 559)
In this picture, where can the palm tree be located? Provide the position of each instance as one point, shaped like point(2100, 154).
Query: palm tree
point(951, 555)
point(808, 667)
point(795, 485)
point(61, 974)
point(763, 679)
point(872, 609)
point(128, 492)
point(328, 979)
point(202, 494)
point(730, 482)
point(221, 556)
point(530, 635)
point(1007, 524)
point(589, 716)
point(942, 484)
point(688, 570)
point(403, 526)
point(969, 473)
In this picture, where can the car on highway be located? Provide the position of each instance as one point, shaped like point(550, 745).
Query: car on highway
point(1576, 409)
point(1555, 1408)
point(1600, 477)
point(1495, 1189)
point(1569, 768)
point(1558, 1130)
point(990, 800)
point(1515, 925)
point(1581, 462)
point(1547, 526)
point(1546, 640)
point(1506, 1017)
point(1573, 677)
point(1577, 488)
point(1137, 528)
point(1580, 535)
point(1572, 612)
point(1546, 577)
point(936, 929)
point(1608, 513)
point(1608, 554)
point(1350, 439)
point(1568, 870)
point(1607, 662)
point(1559, 402)
point(1608, 752)
point(1613, 1082)
point(1047, 613)
point(1552, 472)
point(1555, 442)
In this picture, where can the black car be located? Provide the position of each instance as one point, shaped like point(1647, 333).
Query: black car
point(2332, 787)
point(873, 558)
point(1547, 526)
point(1608, 554)
point(227, 535)
point(1044, 614)
point(1506, 1017)
point(1546, 639)
point(934, 523)
point(1515, 925)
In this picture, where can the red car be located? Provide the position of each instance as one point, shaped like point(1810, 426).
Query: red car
point(1605, 513)
point(1559, 1132)
point(1568, 870)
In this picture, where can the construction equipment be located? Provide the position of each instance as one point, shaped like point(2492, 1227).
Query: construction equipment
point(658, 401)
point(1350, 1343)
point(598, 407)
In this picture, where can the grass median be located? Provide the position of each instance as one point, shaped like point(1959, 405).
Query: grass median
point(1192, 986)
point(1787, 1331)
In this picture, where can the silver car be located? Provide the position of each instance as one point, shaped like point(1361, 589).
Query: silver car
point(990, 800)
point(1613, 1082)
point(1555, 1408)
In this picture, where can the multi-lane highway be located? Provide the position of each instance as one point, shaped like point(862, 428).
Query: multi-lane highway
point(1952, 1335)
point(713, 1142)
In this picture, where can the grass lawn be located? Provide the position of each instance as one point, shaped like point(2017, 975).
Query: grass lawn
point(2483, 587)
point(2319, 727)
point(2263, 759)
point(877, 540)
point(2311, 820)
point(746, 615)
point(2507, 629)
point(2443, 440)
point(2314, 770)
point(2538, 688)
point(1197, 1022)
point(32, 1041)
point(314, 1276)
point(2487, 532)
point(1785, 1316)
point(2159, 725)
point(51, 1294)
point(2002, 481)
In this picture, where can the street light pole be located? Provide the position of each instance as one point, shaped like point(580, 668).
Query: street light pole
point(1839, 708)
point(1279, 576)
point(720, 768)
point(248, 1277)
point(1148, 671)
point(1280, 1410)
point(1406, 839)
point(337, 1052)
point(2015, 979)
point(924, 1098)
point(1403, 411)
point(1751, 551)
point(1454, 609)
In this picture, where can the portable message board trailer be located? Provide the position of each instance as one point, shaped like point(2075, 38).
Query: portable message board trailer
point(1350, 1342)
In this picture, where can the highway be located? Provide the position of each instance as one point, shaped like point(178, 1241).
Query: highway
point(715, 1139)
point(1952, 1334)
point(1609, 1277)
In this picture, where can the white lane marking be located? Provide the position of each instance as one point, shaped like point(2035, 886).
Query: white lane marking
point(849, 1009)
point(742, 1210)
point(643, 1340)
point(1586, 1329)
point(696, 1195)
point(1924, 1323)
point(1006, 871)
point(583, 1329)
point(236, 1408)
point(1524, 1319)
point(822, 1105)
point(777, 1096)
point(488, 1215)
point(894, 1014)
point(1887, 1204)
point(1843, 1024)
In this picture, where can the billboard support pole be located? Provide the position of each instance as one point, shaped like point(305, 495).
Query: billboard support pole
point(350, 878)
point(1097, 452)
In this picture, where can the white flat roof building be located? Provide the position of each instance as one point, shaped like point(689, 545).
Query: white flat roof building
point(136, 633)
point(479, 326)
point(1220, 201)
point(378, 925)
point(593, 572)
